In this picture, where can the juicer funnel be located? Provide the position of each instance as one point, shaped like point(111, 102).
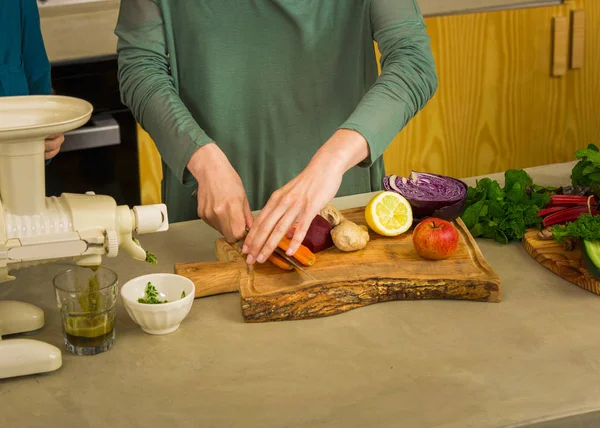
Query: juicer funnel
point(25, 122)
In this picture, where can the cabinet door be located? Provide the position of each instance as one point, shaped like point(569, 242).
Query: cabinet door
point(498, 106)
point(583, 86)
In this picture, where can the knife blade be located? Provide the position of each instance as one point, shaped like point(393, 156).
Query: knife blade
point(291, 261)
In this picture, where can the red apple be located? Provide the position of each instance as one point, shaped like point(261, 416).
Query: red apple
point(435, 239)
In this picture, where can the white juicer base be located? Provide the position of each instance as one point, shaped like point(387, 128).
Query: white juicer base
point(20, 357)
point(19, 317)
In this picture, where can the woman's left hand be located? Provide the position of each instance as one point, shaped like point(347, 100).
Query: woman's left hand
point(298, 202)
point(53, 143)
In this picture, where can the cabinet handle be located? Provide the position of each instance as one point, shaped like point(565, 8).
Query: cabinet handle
point(577, 38)
point(560, 48)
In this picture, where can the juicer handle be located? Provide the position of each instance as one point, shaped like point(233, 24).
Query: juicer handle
point(212, 278)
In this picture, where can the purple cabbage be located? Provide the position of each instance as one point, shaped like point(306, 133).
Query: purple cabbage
point(430, 195)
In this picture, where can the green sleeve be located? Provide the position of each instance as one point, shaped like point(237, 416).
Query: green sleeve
point(408, 78)
point(149, 90)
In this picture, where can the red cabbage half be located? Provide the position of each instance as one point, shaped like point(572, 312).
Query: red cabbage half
point(430, 195)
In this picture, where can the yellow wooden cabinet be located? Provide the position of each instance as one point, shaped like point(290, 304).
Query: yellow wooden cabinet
point(498, 105)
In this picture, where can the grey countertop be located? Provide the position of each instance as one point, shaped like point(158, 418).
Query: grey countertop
point(532, 357)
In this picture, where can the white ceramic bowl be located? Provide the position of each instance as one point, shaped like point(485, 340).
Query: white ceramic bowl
point(162, 318)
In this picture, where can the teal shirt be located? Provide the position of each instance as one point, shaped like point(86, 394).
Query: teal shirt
point(24, 65)
point(269, 81)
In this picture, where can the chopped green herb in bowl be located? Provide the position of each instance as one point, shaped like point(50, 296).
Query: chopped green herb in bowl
point(158, 302)
point(151, 295)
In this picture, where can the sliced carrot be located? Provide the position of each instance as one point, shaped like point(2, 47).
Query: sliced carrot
point(303, 255)
point(279, 262)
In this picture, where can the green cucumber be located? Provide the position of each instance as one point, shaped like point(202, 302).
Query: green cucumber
point(591, 257)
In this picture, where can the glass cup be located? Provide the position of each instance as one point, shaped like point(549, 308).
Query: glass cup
point(87, 300)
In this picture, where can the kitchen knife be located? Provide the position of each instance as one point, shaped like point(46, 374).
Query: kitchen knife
point(291, 261)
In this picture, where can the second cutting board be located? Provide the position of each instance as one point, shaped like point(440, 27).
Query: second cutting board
point(386, 269)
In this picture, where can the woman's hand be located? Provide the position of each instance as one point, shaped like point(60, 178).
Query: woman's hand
point(53, 143)
point(298, 202)
point(222, 200)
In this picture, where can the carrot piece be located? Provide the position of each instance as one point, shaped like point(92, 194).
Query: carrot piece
point(303, 255)
point(279, 262)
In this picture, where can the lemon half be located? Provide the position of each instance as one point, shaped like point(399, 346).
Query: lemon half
point(389, 214)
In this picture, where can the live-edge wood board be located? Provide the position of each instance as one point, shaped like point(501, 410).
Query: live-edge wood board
point(387, 269)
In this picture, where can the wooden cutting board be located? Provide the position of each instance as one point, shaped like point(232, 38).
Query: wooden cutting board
point(386, 269)
point(566, 264)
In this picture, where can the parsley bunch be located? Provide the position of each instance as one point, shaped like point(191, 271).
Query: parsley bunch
point(504, 213)
point(586, 227)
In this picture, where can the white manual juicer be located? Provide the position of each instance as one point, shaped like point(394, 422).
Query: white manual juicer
point(35, 229)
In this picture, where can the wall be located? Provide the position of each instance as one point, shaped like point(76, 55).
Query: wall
point(79, 30)
point(497, 106)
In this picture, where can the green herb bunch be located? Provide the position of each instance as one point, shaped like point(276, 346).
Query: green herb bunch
point(505, 213)
point(586, 227)
point(586, 172)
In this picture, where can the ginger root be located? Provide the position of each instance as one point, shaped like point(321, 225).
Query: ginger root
point(346, 235)
point(332, 215)
point(545, 234)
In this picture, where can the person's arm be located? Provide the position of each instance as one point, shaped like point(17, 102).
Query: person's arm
point(35, 60)
point(148, 88)
point(407, 82)
point(408, 77)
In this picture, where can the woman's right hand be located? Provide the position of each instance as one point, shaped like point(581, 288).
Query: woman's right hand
point(222, 200)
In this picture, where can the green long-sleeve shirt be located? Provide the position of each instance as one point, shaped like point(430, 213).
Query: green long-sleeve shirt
point(269, 81)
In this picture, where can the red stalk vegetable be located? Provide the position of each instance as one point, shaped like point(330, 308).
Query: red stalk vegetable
point(568, 214)
point(544, 212)
point(562, 200)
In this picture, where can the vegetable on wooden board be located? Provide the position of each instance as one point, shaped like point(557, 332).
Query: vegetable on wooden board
point(566, 208)
point(590, 251)
point(303, 254)
point(346, 235)
point(568, 214)
point(564, 200)
point(349, 236)
point(318, 236)
point(430, 195)
point(586, 227)
point(546, 211)
point(280, 262)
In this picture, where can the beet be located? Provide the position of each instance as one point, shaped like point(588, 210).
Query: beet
point(318, 236)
